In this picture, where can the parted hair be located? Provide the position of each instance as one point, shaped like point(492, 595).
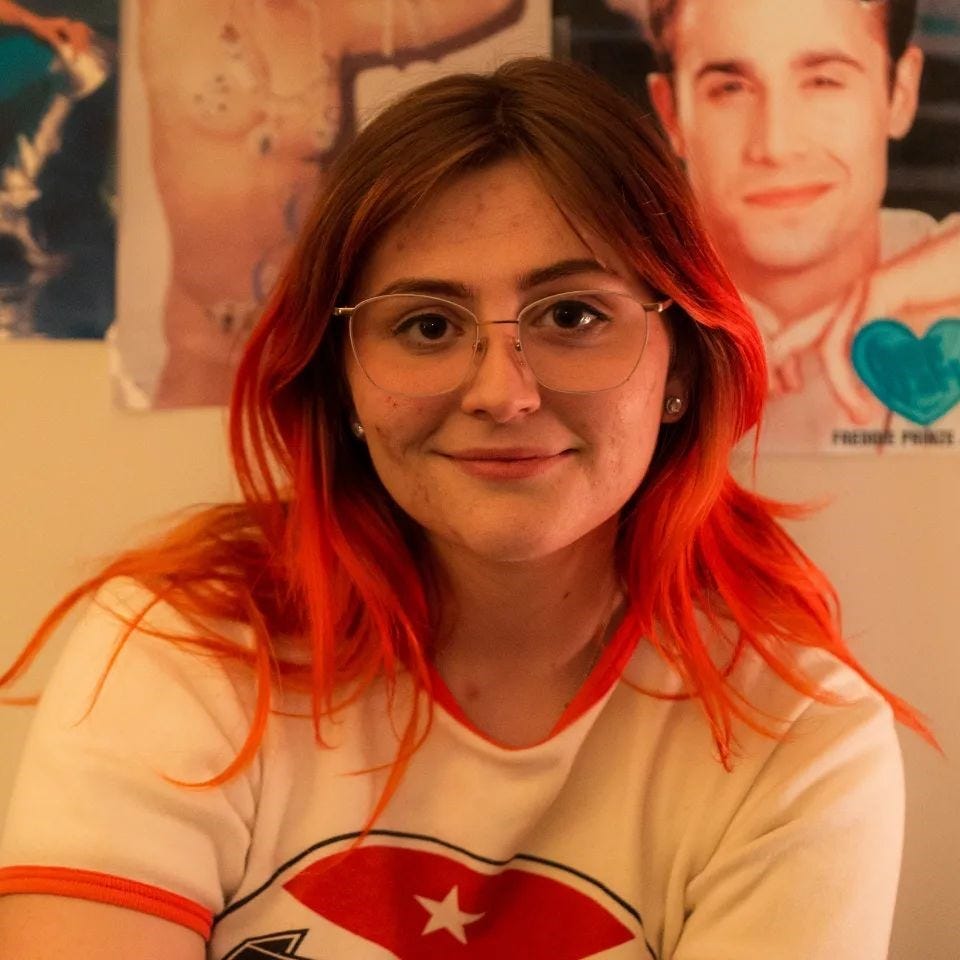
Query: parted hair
point(317, 552)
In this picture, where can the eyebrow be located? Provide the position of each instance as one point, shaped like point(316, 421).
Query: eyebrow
point(562, 269)
point(527, 281)
point(819, 58)
point(803, 61)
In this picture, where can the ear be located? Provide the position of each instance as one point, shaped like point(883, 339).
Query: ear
point(905, 92)
point(660, 89)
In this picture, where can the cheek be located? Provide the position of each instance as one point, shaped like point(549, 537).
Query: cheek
point(714, 157)
point(628, 440)
point(397, 431)
point(392, 465)
point(391, 434)
point(854, 131)
point(392, 423)
point(713, 132)
point(868, 162)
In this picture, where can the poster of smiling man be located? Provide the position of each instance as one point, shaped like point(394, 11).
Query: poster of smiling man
point(822, 139)
point(57, 131)
point(233, 111)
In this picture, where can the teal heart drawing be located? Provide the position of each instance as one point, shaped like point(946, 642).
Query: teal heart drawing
point(917, 377)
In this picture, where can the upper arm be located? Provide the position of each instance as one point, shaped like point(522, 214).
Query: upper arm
point(46, 927)
point(125, 832)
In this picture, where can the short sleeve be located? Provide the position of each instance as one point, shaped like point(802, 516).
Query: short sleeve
point(95, 812)
point(808, 866)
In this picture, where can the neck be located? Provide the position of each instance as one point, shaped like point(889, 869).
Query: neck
point(519, 639)
point(538, 612)
point(795, 293)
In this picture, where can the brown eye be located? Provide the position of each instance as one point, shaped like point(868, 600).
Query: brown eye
point(574, 315)
point(427, 328)
point(430, 327)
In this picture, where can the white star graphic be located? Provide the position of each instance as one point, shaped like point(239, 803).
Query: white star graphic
point(446, 914)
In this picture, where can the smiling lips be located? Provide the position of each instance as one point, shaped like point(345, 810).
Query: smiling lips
point(507, 464)
point(783, 197)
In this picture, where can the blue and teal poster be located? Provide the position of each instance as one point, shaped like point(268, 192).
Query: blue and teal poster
point(58, 96)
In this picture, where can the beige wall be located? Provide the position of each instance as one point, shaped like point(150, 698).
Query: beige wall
point(889, 542)
point(80, 479)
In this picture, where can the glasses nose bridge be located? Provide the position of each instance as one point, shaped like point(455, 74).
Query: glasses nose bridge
point(480, 345)
point(500, 375)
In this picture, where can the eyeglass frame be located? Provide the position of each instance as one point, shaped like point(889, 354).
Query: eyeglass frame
point(652, 306)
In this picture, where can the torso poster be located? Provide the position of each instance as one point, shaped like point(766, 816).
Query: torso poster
point(231, 112)
point(57, 184)
point(822, 140)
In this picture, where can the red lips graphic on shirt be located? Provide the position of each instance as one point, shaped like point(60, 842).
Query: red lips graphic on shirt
point(424, 904)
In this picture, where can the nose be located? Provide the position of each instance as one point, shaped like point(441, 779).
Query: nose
point(776, 128)
point(502, 386)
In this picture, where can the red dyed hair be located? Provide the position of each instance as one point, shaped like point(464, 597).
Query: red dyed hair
point(318, 552)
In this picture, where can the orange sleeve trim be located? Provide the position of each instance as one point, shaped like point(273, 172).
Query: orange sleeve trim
point(105, 888)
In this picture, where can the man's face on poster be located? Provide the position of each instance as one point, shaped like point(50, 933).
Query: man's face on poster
point(782, 113)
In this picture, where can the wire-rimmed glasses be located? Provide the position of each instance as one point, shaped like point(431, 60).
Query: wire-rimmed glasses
point(581, 341)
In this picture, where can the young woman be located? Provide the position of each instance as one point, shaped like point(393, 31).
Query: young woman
point(495, 658)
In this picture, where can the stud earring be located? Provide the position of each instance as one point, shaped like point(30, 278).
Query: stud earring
point(673, 405)
point(357, 428)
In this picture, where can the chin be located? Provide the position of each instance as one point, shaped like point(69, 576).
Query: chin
point(508, 544)
point(785, 251)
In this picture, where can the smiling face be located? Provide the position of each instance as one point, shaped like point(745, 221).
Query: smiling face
point(501, 467)
point(782, 112)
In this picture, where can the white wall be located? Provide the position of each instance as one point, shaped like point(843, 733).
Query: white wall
point(81, 479)
point(889, 541)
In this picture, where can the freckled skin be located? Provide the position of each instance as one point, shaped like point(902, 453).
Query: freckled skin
point(460, 236)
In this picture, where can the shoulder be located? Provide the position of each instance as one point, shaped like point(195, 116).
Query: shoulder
point(843, 734)
point(838, 718)
point(806, 824)
point(137, 672)
point(134, 715)
point(781, 728)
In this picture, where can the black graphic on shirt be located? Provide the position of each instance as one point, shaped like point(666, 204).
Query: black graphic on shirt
point(273, 946)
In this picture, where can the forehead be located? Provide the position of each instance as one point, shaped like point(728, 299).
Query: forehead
point(490, 226)
point(774, 32)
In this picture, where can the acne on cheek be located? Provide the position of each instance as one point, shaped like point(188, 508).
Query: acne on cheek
point(395, 405)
